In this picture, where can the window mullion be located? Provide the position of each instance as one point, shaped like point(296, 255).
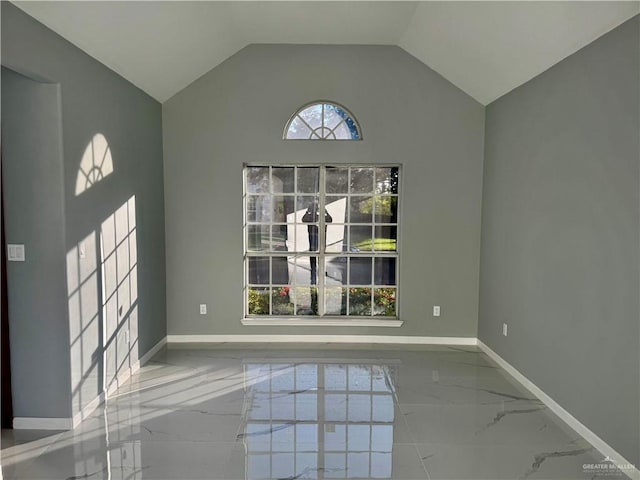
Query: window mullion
point(322, 241)
point(346, 281)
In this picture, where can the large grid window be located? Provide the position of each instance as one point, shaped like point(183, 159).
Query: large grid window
point(321, 241)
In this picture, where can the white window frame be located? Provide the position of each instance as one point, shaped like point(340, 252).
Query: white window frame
point(321, 319)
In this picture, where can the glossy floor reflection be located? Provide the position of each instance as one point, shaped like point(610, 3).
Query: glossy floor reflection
point(357, 412)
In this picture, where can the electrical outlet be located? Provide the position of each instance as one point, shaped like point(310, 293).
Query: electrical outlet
point(504, 329)
point(435, 376)
point(436, 310)
point(203, 309)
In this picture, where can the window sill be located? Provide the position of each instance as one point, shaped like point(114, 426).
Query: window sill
point(322, 322)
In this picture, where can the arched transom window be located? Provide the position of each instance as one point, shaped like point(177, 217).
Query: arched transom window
point(322, 121)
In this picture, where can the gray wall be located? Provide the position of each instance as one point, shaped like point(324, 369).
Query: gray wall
point(560, 234)
point(409, 114)
point(94, 100)
point(32, 176)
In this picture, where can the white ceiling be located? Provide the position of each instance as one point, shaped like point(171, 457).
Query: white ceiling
point(484, 48)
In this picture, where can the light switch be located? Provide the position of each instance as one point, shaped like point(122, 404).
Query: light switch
point(203, 309)
point(15, 253)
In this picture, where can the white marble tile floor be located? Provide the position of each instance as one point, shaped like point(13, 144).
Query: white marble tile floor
point(320, 412)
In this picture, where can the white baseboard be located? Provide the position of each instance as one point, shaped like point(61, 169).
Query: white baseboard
point(126, 374)
point(603, 447)
point(376, 339)
point(120, 380)
point(34, 423)
point(87, 410)
point(122, 377)
point(152, 351)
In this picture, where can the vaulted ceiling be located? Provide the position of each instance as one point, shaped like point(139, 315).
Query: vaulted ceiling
point(484, 48)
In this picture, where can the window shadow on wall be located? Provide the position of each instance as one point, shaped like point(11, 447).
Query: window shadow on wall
point(95, 165)
point(102, 290)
